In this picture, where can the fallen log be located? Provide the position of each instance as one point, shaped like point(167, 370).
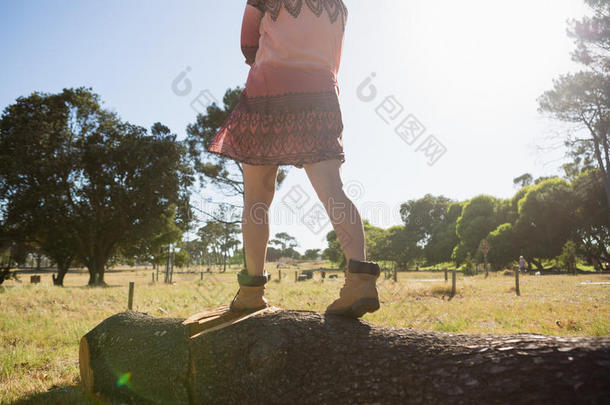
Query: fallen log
point(304, 357)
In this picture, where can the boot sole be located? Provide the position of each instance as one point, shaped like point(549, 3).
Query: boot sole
point(358, 308)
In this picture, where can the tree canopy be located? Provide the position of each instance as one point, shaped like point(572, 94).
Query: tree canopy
point(80, 182)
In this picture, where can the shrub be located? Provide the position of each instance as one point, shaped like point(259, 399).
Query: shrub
point(567, 259)
point(469, 266)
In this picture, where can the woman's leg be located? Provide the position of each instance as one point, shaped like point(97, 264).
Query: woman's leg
point(259, 189)
point(359, 294)
point(326, 180)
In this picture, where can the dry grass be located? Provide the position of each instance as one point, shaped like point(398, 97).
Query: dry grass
point(40, 325)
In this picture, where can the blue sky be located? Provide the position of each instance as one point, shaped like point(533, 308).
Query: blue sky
point(468, 71)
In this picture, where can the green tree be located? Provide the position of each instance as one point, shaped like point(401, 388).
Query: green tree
point(503, 240)
point(375, 241)
point(374, 245)
point(195, 250)
point(75, 171)
point(444, 238)
point(592, 37)
point(13, 251)
point(334, 252)
point(567, 258)
point(583, 98)
point(523, 180)
point(180, 257)
point(273, 254)
point(401, 247)
point(154, 248)
point(592, 215)
point(503, 247)
point(284, 241)
point(219, 237)
point(285, 244)
point(545, 221)
point(468, 269)
point(479, 217)
point(514, 203)
point(36, 162)
point(311, 254)
point(423, 215)
point(237, 257)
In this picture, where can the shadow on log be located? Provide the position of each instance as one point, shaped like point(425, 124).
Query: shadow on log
point(304, 357)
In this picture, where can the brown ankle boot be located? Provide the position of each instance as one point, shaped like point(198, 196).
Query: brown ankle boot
point(359, 293)
point(250, 296)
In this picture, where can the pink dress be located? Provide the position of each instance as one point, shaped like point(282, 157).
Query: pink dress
point(288, 113)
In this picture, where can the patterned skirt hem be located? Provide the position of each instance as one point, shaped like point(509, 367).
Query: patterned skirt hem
point(287, 129)
point(297, 160)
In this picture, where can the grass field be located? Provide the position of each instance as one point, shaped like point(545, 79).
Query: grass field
point(41, 325)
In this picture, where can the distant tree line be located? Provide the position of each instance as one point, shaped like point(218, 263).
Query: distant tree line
point(539, 222)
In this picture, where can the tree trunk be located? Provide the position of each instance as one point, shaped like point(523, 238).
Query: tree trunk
point(224, 261)
point(62, 269)
point(5, 273)
point(167, 266)
point(58, 280)
point(600, 144)
point(305, 357)
point(607, 186)
point(96, 271)
point(92, 276)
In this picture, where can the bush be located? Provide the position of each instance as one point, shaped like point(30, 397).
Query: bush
point(469, 266)
point(567, 259)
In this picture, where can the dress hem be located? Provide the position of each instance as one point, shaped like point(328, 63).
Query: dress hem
point(297, 160)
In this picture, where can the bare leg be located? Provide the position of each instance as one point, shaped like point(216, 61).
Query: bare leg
point(259, 189)
point(326, 180)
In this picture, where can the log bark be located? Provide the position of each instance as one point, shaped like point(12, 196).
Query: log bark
point(304, 357)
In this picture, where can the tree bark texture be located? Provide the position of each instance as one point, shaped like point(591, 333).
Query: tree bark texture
point(300, 357)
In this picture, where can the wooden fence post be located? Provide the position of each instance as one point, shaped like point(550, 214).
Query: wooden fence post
point(153, 276)
point(394, 275)
point(279, 275)
point(445, 271)
point(517, 282)
point(201, 276)
point(296, 276)
point(130, 299)
point(453, 282)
